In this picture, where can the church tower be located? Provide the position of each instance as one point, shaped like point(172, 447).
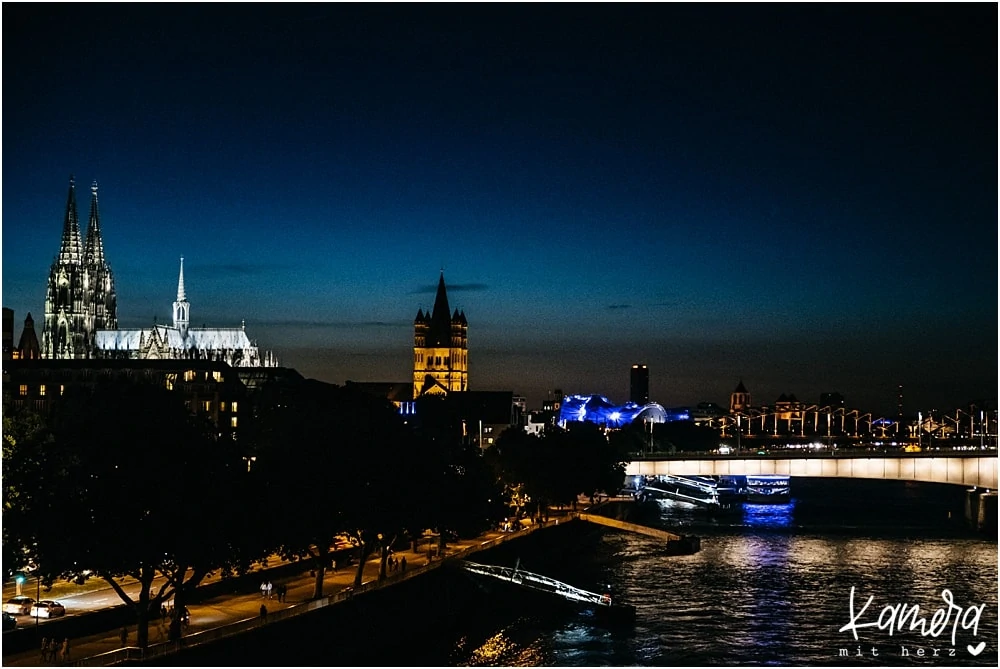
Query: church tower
point(440, 348)
point(99, 282)
point(182, 308)
point(80, 296)
point(739, 400)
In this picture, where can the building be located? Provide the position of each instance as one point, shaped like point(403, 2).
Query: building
point(833, 400)
point(639, 384)
point(8, 333)
point(179, 341)
point(80, 295)
point(739, 400)
point(478, 417)
point(599, 410)
point(27, 346)
point(207, 387)
point(400, 393)
point(440, 348)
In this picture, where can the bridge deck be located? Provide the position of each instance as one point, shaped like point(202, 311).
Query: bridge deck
point(630, 527)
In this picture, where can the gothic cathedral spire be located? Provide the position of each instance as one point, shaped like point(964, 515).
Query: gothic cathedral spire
point(94, 246)
point(70, 250)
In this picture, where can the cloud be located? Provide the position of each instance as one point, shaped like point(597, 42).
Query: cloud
point(452, 288)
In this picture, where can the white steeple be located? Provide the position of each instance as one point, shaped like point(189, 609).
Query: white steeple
point(182, 308)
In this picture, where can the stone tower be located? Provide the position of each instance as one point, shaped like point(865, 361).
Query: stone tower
point(739, 400)
point(80, 296)
point(440, 348)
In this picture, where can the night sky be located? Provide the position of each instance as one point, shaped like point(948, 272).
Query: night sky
point(803, 197)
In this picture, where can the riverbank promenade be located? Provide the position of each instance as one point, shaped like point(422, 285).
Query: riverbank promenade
point(224, 615)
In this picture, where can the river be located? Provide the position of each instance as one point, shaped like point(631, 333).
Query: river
point(772, 586)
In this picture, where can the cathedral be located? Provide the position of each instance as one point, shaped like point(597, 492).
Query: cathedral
point(179, 341)
point(81, 319)
point(80, 297)
point(440, 348)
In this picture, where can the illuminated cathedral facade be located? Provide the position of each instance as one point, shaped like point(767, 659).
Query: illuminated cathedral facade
point(440, 348)
point(81, 314)
point(80, 295)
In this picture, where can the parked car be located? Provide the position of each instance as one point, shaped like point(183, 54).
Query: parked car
point(18, 606)
point(48, 609)
point(9, 621)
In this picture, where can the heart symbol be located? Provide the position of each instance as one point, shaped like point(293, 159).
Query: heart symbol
point(978, 649)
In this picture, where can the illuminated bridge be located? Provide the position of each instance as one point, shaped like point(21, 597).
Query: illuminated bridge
point(957, 467)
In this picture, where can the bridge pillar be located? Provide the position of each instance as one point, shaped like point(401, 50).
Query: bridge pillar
point(987, 520)
point(981, 509)
point(972, 505)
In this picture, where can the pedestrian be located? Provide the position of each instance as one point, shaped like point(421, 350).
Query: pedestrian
point(263, 589)
point(269, 590)
point(123, 636)
point(334, 566)
point(402, 565)
point(263, 613)
point(65, 650)
point(45, 649)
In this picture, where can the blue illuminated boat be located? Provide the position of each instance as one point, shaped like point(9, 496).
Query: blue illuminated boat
point(768, 488)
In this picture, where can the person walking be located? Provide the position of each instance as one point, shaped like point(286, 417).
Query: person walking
point(263, 589)
point(402, 565)
point(123, 636)
point(263, 613)
point(65, 650)
point(45, 649)
point(269, 586)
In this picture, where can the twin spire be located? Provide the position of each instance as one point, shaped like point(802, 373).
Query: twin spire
point(72, 251)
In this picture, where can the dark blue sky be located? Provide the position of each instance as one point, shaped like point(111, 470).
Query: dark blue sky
point(800, 196)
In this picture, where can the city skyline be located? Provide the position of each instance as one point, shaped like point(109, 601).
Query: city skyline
point(799, 197)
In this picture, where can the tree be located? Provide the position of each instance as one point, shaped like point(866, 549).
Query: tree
point(24, 437)
point(134, 485)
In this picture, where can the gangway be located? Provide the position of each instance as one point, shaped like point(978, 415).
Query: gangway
point(539, 583)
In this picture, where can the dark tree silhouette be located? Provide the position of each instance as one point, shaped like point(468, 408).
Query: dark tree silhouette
point(135, 485)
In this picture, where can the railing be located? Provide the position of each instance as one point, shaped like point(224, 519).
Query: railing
point(818, 453)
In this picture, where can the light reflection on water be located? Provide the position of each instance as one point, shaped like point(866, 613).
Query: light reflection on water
point(770, 585)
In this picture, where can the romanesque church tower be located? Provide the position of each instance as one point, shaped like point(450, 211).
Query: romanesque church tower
point(739, 400)
point(80, 297)
point(440, 348)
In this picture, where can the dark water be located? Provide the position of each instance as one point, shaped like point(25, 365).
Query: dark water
point(771, 586)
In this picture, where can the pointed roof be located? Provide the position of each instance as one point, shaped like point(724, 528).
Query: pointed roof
point(94, 246)
point(181, 297)
point(71, 250)
point(740, 388)
point(439, 333)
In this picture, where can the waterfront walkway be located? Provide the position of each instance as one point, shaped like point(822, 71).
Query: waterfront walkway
point(224, 615)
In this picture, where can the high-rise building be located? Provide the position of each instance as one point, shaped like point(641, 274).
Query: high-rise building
point(80, 296)
point(440, 348)
point(639, 385)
